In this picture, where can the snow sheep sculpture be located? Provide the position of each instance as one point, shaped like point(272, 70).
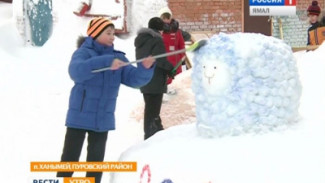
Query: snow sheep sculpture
point(245, 82)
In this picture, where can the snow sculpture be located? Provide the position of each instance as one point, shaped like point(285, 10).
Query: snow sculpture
point(40, 20)
point(245, 82)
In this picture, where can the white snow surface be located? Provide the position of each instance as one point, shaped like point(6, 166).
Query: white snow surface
point(34, 99)
point(141, 11)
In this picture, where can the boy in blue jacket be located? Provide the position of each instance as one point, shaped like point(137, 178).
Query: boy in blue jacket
point(93, 96)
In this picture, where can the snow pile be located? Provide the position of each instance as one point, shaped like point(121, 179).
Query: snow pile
point(311, 68)
point(15, 42)
point(5, 11)
point(294, 155)
point(109, 8)
point(245, 82)
point(141, 11)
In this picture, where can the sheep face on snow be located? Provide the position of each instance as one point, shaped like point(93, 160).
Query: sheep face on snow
point(215, 76)
point(245, 82)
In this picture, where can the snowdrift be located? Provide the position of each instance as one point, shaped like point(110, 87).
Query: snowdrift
point(293, 155)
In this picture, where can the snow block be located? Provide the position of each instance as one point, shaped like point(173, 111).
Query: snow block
point(245, 82)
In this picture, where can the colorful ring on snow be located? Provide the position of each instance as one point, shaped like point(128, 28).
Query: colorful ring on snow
point(167, 181)
point(146, 168)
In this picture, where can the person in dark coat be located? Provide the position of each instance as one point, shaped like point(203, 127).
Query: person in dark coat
point(149, 42)
point(93, 97)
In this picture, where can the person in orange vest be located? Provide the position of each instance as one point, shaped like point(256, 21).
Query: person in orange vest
point(173, 39)
point(316, 31)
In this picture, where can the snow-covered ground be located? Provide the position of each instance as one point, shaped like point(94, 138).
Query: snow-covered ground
point(34, 99)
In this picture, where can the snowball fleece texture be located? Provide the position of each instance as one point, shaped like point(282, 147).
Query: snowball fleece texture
point(245, 82)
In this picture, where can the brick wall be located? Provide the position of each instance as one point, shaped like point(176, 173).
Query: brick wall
point(303, 4)
point(208, 15)
point(294, 29)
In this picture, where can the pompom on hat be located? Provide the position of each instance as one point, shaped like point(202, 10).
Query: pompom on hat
point(97, 26)
point(314, 9)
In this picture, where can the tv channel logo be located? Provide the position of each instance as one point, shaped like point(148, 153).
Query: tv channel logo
point(272, 7)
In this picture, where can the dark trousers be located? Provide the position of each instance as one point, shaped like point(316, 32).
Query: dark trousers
point(152, 121)
point(73, 143)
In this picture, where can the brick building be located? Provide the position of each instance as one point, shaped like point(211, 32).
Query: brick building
point(229, 16)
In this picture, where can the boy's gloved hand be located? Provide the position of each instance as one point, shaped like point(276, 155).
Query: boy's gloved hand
point(117, 63)
point(148, 62)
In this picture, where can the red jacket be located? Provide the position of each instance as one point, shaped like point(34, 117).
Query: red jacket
point(174, 41)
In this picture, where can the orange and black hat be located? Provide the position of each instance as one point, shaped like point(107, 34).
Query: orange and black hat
point(97, 26)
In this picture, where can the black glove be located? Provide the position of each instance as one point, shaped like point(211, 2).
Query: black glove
point(186, 36)
point(172, 74)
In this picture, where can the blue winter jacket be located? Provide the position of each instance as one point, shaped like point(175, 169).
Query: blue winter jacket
point(93, 96)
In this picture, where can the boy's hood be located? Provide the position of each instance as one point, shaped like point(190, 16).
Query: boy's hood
point(144, 35)
point(80, 41)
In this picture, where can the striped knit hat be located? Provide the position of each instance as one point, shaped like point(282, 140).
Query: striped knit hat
point(314, 9)
point(97, 26)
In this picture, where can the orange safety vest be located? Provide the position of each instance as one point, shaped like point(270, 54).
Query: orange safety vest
point(317, 36)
